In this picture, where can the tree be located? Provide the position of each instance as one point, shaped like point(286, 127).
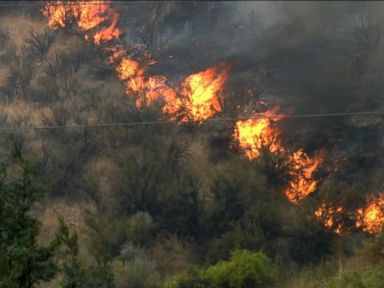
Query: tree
point(100, 275)
point(74, 274)
point(23, 263)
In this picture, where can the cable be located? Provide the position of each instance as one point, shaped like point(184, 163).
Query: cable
point(135, 123)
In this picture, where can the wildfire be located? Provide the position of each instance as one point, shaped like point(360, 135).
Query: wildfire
point(371, 218)
point(86, 15)
point(200, 93)
point(328, 215)
point(196, 100)
point(255, 133)
point(302, 169)
point(109, 33)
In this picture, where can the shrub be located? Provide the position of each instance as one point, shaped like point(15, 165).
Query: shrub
point(244, 269)
point(369, 278)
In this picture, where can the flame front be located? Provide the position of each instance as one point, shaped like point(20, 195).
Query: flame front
point(302, 169)
point(254, 134)
point(371, 218)
point(196, 100)
point(200, 94)
point(86, 15)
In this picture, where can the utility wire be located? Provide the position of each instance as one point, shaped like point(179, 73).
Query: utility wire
point(139, 123)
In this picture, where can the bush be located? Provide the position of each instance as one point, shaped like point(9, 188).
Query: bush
point(369, 278)
point(372, 251)
point(244, 269)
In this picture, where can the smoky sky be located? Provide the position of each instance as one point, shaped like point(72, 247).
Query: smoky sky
point(292, 42)
point(299, 46)
point(240, 26)
point(203, 34)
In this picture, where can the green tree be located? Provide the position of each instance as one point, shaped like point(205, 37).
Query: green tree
point(23, 263)
point(100, 275)
point(74, 274)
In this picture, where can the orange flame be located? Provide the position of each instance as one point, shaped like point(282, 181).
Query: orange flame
point(199, 92)
point(56, 14)
point(87, 15)
point(302, 169)
point(109, 33)
point(329, 216)
point(371, 218)
point(253, 134)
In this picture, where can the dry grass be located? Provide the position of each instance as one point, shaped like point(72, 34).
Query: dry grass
point(171, 254)
point(72, 213)
point(3, 75)
point(22, 113)
point(19, 27)
point(321, 275)
point(199, 165)
point(100, 174)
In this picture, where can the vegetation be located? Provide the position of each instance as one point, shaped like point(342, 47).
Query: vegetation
point(243, 269)
point(23, 262)
point(179, 206)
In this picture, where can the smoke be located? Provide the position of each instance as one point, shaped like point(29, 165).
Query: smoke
point(251, 34)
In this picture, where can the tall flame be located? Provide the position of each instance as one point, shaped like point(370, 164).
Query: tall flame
point(255, 133)
point(371, 218)
point(200, 93)
point(86, 15)
point(109, 33)
point(198, 97)
point(302, 169)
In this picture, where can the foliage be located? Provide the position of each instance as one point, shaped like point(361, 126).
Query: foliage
point(372, 251)
point(243, 269)
point(23, 263)
point(367, 278)
point(101, 274)
point(73, 274)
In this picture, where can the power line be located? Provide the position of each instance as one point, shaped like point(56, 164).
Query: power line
point(144, 123)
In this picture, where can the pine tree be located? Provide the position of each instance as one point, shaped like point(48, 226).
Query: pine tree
point(74, 274)
point(23, 263)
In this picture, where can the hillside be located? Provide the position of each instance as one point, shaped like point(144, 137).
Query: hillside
point(191, 144)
